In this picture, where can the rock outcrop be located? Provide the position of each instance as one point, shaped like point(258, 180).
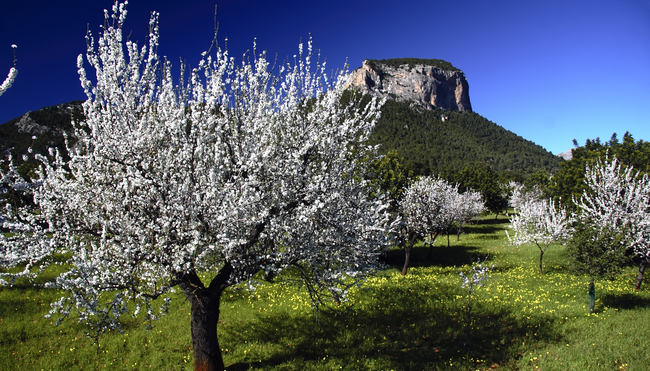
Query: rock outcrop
point(29, 126)
point(40, 129)
point(430, 82)
point(53, 119)
point(567, 155)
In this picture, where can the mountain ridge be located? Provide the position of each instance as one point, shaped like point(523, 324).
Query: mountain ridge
point(429, 122)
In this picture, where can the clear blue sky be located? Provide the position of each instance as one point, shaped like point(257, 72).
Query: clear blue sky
point(549, 71)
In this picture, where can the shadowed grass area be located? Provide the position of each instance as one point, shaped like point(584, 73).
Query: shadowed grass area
point(520, 320)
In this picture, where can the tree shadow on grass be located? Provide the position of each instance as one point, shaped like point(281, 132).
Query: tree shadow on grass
point(438, 256)
point(404, 329)
point(489, 225)
point(448, 253)
point(625, 301)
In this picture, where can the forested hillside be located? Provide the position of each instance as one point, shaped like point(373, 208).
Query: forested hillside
point(442, 141)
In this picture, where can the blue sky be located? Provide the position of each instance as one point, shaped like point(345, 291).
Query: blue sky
point(549, 71)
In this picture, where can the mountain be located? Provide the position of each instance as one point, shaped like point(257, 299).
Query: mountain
point(428, 121)
point(436, 141)
point(430, 82)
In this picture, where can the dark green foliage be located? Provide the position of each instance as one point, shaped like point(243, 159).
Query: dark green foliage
point(361, 99)
point(599, 253)
point(432, 146)
point(539, 177)
point(397, 62)
point(596, 252)
point(391, 177)
point(568, 183)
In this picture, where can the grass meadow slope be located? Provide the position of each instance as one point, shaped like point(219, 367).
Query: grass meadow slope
point(519, 321)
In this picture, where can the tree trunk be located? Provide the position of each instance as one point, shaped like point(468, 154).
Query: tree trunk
point(205, 315)
point(407, 251)
point(204, 304)
point(541, 255)
point(469, 318)
point(407, 258)
point(639, 277)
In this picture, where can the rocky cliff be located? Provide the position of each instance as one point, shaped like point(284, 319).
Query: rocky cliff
point(430, 82)
point(567, 155)
point(40, 129)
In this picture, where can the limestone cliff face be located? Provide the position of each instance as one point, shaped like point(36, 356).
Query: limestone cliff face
point(48, 124)
point(423, 83)
point(52, 119)
point(29, 126)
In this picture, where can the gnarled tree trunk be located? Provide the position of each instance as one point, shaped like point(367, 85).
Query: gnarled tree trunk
point(412, 237)
point(204, 302)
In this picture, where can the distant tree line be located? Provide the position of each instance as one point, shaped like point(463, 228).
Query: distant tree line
point(568, 183)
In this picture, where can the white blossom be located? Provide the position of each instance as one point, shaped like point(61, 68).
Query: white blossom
point(235, 171)
point(519, 196)
point(11, 76)
point(618, 198)
point(425, 207)
point(431, 206)
point(541, 223)
point(467, 206)
point(9, 80)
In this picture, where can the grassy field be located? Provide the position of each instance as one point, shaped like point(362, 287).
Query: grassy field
point(520, 320)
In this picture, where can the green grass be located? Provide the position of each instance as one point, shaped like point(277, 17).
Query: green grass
point(520, 320)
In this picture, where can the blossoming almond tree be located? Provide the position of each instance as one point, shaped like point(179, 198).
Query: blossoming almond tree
point(539, 222)
point(479, 273)
point(618, 199)
point(457, 209)
point(200, 185)
point(420, 210)
point(467, 206)
point(431, 206)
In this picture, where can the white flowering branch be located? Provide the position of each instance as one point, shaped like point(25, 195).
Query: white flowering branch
point(13, 72)
point(519, 196)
